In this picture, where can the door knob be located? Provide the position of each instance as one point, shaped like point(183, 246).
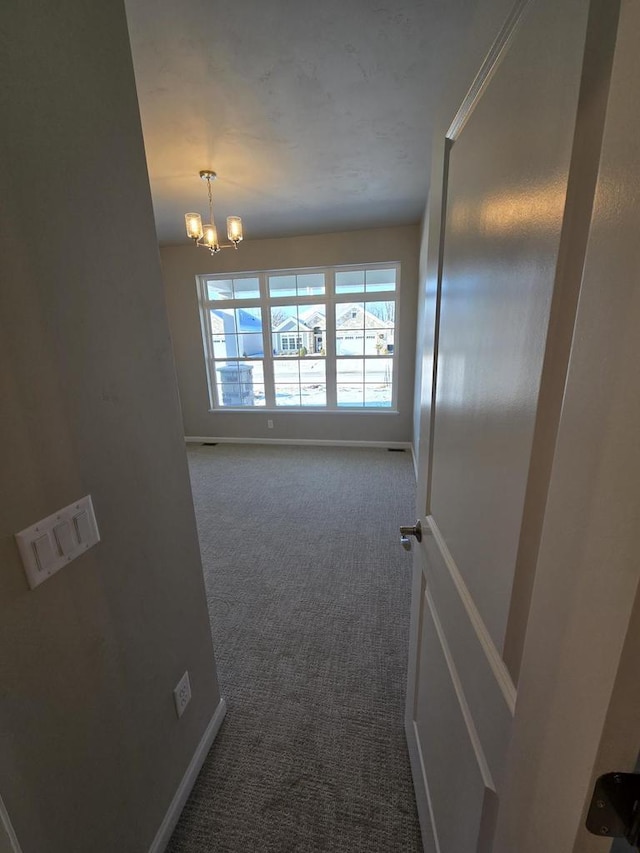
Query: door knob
point(407, 531)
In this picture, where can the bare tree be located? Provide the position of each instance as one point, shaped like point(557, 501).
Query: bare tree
point(384, 311)
point(278, 315)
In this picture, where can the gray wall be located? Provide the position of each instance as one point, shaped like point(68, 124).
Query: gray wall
point(181, 265)
point(91, 751)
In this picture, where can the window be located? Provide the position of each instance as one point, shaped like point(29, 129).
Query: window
point(305, 339)
point(291, 343)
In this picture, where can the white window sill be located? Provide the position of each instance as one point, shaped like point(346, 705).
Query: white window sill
point(283, 410)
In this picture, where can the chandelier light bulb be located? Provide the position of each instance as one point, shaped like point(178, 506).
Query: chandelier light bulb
point(210, 238)
point(193, 223)
point(234, 228)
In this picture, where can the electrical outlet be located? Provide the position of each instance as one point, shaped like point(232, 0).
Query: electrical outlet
point(182, 694)
point(269, 424)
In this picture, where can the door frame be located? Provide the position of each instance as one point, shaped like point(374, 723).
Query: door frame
point(8, 839)
point(578, 708)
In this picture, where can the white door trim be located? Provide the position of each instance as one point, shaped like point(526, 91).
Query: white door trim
point(6, 829)
point(488, 68)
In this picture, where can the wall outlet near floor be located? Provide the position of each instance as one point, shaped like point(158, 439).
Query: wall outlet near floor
point(269, 424)
point(182, 694)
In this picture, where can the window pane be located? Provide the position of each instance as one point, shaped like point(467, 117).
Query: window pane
point(281, 317)
point(227, 381)
point(312, 370)
point(351, 281)
point(378, 370)
point(380, 280)
point(249, 320)
point(236, 383)
point(313, 320)
point(229, 394)
point(257, 371)
point(313, 315)
point(298, 330)
point(378, 374)
point(380, 314)
point(350, 342)
point(350, 328)
point(287, 395)
point(350, 394)
point(282, 285)
point(249, 346)
point(373, 342)
point(286, 372)
point(246, 288)
point(310, 283)
point(350, 315)
point(378, 343)
point(349, 370)
point(223, 346)
point(313, 395)
point(377, 395)
point(284, 328)
point(259, 398)
point(223, 321)
point(222, 289)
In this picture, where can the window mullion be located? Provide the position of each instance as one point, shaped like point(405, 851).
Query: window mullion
point(330, 338)
point(207, 342)
point(214, 397)
point(267, 346)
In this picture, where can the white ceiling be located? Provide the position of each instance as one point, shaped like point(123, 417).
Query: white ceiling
point(315, 115)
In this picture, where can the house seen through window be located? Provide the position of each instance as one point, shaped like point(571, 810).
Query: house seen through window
point(308, 338)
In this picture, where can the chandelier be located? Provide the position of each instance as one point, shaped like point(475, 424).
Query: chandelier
point(207, 235)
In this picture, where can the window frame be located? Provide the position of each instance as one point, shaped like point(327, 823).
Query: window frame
point(330, 299)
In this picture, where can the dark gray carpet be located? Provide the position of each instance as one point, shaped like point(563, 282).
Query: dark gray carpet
point(309, 595)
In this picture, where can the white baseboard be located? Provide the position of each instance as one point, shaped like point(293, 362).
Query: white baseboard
point(188, 780)
point(313, 442)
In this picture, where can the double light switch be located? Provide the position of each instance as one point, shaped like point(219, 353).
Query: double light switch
point(50, 544)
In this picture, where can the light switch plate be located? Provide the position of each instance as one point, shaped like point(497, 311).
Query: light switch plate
point(50, 544)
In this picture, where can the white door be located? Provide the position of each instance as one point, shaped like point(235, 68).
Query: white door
point(502, 448)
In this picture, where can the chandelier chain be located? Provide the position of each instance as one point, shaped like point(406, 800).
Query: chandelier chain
point(210, 200)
